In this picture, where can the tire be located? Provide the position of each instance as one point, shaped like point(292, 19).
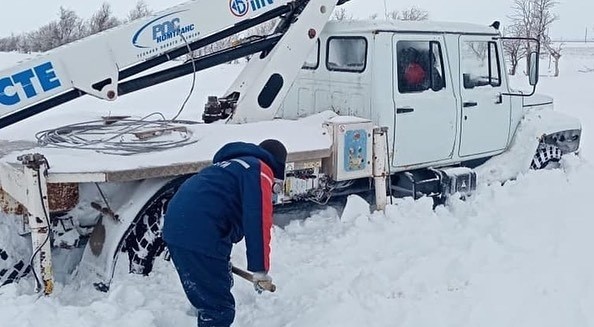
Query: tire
point(9, 272)
point(545, 154)
point(143, 242)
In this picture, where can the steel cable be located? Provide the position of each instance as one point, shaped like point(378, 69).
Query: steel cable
point(120, 137)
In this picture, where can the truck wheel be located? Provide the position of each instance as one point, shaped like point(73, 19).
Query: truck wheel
point(9, 272)
point(545, 154)
point(143, 241)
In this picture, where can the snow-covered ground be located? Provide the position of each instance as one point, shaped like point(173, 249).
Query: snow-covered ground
point(517, 254)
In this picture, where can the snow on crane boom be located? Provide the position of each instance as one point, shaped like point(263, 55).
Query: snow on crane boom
point(64, 74)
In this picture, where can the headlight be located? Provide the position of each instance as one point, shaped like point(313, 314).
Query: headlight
point(566, 141)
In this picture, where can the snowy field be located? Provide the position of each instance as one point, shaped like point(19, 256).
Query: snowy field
point(518, 254)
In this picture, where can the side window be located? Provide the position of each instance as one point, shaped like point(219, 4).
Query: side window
point(313, 59)
point(347, 54)
point(420, 66)
point(480, 64)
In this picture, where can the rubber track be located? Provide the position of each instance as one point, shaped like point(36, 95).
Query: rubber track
point(546, 153)
point(144, 241)
point(13, 273)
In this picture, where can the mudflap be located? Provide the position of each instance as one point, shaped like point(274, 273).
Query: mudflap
point(144, 241)
point(108, 238)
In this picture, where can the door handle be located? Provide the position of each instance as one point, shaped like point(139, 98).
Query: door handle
point(470, 104)
point(404, 110)
point(499, 98)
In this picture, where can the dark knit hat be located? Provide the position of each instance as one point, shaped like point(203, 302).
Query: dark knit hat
point(279, 152)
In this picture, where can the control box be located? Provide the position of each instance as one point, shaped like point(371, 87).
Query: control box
point(352, 148)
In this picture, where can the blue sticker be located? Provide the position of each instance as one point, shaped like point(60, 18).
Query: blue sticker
point(355, 150)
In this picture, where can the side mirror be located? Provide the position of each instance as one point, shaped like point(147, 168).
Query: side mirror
point(534, 67)
point(532, 59)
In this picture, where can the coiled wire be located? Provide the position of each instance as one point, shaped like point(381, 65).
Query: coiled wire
point(119, 137)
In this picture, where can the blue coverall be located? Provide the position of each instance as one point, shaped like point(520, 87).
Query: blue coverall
point(210, 212)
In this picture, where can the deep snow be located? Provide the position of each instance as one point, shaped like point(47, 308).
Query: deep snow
point(517, 254)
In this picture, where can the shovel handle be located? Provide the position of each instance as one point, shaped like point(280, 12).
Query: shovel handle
point(269, 286)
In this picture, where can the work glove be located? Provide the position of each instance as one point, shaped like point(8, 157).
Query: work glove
point(261, 278)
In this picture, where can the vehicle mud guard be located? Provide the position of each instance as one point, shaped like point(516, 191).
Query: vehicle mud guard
point(143, 241)
point(110, 236)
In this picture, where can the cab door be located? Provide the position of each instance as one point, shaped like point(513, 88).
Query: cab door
point(486, 112)
point(425, 117)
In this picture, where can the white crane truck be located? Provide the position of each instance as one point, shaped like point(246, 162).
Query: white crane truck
point(407, 109)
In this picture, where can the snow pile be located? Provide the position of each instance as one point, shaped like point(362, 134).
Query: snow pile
point(356, 207)
point(513, 254)
point(510, 255)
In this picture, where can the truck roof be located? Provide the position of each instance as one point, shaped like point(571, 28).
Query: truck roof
point(371, 25)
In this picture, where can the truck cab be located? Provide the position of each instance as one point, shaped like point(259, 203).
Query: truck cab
point(440, 88)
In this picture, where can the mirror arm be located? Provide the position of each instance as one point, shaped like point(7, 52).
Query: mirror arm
point(502, 38)
point(522, 94)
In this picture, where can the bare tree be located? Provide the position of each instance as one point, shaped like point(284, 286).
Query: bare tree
point(42, 39)
point(257, 31)
point(23, 44)
point(524, 20)
point(409, 14)
point(515, 50)
point(480, 50)
point(140, 10)
point(393, 15)
point(543, 17)
point(68, 28)
point(11, 43)
point(534, 19)
point(102, 19)
point(414, 13)
point(555, 52)
point(341, 14)
point(522, 17)
point(264, 28)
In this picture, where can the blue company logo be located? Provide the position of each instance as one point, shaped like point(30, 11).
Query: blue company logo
point(240, 8)
point(162, 29)
point(12, 87)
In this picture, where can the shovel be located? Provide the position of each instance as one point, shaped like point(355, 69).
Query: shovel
point(267, 285)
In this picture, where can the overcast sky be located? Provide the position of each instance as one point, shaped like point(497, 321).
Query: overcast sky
point(574, 15)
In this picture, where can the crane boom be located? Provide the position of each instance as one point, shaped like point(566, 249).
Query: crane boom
point(99, 64)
